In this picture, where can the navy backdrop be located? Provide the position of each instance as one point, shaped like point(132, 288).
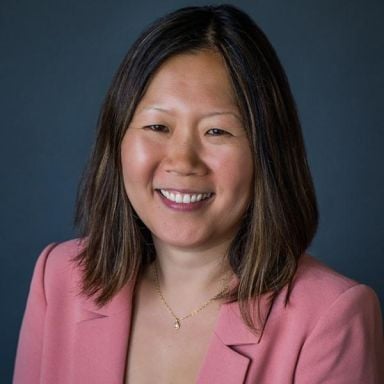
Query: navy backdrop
point(57, 59)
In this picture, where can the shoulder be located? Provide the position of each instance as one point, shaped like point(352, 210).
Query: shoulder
point(61, 255)
point(338, 324)
point(57, 269)
point(312, 274)
point(317, 291)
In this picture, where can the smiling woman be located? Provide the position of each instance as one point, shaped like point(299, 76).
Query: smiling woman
point(185, 143)
point(196, 211)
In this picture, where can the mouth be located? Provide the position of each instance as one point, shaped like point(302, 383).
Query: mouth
point(179, 197)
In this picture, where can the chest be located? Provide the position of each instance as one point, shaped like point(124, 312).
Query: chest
point(158, 350)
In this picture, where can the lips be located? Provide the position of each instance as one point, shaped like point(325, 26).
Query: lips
point(180, 197)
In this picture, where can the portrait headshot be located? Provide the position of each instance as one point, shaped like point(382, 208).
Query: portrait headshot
point(192, 192)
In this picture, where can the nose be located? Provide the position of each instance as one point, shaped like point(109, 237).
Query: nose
point(184, 157)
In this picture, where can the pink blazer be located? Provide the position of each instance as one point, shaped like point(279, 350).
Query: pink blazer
point(330, 333)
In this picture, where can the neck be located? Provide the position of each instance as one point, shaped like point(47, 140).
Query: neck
point(189, 275)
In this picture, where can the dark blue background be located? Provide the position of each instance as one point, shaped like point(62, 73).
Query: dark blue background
point(57, 59)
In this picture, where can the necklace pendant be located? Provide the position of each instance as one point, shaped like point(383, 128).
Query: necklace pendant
point(177, 324)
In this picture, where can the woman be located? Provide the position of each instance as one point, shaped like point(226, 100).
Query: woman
point(197, 209)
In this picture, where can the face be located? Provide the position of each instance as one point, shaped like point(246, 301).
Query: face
point(186, 160)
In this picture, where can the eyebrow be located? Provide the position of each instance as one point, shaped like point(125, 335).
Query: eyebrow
point(216, 113)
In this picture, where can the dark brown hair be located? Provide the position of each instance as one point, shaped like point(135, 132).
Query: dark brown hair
point(282, 218)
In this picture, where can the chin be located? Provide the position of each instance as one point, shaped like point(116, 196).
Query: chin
point(183, 242)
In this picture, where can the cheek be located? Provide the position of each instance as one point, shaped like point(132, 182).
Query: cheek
point(138, 158)
point(233, 169)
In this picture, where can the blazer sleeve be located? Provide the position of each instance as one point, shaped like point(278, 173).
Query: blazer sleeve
point(346, 346)
point(30, 345)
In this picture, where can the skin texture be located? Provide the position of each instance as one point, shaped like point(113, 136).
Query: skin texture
point(172, 143)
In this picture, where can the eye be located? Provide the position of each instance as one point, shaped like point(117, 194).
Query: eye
point(157, 128)
point(217, 132)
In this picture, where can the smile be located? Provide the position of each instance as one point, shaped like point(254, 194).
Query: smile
point(185, 198)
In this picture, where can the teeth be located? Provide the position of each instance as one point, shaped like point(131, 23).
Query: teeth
point(185, 198)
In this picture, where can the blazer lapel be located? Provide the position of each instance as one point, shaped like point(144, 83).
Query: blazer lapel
point(223, 363)
point(101, 340)
point(102, 335)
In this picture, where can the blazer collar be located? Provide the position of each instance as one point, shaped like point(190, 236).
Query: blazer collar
point(102, 337)
point(231, 329)
point(122, 301)
point(224, 363)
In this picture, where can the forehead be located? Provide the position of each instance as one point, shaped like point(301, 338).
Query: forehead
point(196, 79)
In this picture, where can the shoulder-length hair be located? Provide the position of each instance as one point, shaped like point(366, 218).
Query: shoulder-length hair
point(282, 218)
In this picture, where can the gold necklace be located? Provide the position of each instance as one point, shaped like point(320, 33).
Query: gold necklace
point(177, 322)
